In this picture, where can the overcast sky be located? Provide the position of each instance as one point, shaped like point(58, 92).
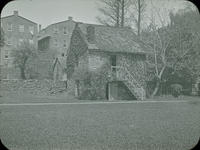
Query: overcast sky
point(46, 12)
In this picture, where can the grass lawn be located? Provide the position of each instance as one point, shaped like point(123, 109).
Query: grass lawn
point(136, 126)
point(30, 98)
point(68, 97)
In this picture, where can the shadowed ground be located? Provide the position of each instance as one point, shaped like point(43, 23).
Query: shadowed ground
point(142, 126)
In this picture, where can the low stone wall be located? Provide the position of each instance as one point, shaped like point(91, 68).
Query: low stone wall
point(36, 87)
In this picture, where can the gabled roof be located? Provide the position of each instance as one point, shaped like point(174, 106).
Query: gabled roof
point(112, 39)
point(54, 24)
point(20, 17)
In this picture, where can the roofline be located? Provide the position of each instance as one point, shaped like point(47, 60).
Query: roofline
point(101, 25)
point(57, 23)
point(20, 17)
point(41, 38)
point(105, 51)
point(101, 50)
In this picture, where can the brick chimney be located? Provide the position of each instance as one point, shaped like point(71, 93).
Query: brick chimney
point(15, 13)
point(70, 18)
point(91, 34)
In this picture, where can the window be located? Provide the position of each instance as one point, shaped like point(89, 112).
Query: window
point(64, 45)
point(31, 42)
point(31, 29)
point(56, 42)
point(6, 54)
point(9, 27)
point(21, 41)
point(65, 32)
point(6, 63)
point(55, 30)
point(21, 28)
point(63, 54)
point(9, 42)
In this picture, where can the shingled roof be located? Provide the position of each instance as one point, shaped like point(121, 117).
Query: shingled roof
point(112, 39)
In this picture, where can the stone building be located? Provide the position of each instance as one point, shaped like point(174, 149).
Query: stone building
point(59, 68)
point(119, 50)
point(53, 43)
point(16, 29)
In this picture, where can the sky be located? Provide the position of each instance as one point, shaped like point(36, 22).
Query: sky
point(46, 12)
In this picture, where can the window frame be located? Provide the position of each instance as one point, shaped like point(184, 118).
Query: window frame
point(65, 30)
point(65, 45)
point(56, 30)
point(20, 28)
point(6, 54)
point(31, 29)
point(10, 26)
point(31, 41)
point(21, 41)
point(55, 42)
point(9, 41)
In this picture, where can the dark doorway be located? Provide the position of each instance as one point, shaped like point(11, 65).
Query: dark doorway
point(77, 88)
point(107, 90)
point(113, 59)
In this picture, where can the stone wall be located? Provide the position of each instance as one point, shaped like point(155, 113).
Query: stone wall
point(136, 66)
point(42, 65)
point(10, 73)
point(60, 34)
point(97, 60)
point(118, 91)
point(36, 87)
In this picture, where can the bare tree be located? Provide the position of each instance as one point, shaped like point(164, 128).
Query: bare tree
point(174, 45)
point(186, 36)
point(158, 43)
point(122, 14)
point(139, 7)
point(21, 55)
point(157, 38)
point(114, 12)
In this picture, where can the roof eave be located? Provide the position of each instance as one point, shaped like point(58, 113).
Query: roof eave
point(107, 51)
point(20, 17)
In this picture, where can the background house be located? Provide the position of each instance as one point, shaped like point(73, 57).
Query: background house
point(59, 67)
point(117, 51)
point(53, 43)
point(16, 29)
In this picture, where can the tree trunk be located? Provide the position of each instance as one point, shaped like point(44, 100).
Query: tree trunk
point(117, 23)
point(122, 15)
point(156, 88)
point(22, 72)
point(139, 17)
